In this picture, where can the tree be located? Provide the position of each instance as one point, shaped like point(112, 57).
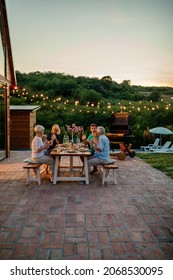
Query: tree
point(154, 96)
point(90, 95)
point(126, 83)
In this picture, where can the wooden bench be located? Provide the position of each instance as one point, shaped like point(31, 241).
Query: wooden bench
point(36, 169)
point(106, 168)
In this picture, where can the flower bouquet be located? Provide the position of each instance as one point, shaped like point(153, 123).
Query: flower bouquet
point(73, 129)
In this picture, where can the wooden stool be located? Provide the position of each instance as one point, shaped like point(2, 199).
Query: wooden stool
point(36, 169)
point(106, 168)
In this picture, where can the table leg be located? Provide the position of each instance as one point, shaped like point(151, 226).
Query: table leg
point(55, 170)
point(71, 166)
point(86, 170)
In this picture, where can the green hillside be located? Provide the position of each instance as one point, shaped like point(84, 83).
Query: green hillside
point(65, 99)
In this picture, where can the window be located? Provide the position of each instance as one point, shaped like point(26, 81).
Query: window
point(2, 56)
point(2, 122)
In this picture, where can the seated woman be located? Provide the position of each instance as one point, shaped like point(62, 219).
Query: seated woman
point(38, 147)
point(54, 137)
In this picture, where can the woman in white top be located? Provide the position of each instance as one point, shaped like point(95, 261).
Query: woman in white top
point(38, 147)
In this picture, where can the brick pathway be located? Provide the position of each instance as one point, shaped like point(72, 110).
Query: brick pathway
point(131, 220)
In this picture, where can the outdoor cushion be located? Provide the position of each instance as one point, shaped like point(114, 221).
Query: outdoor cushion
point(110, 161)
point(29, 160)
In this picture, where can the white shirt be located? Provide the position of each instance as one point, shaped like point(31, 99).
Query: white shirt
point(36, 144)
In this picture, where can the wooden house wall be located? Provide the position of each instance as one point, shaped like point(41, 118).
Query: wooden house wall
point(32, 125)
point(21, 126)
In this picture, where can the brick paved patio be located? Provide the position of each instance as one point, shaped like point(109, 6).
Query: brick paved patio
point(130, 220)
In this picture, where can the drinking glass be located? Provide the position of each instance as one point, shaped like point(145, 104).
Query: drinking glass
point(66, 139)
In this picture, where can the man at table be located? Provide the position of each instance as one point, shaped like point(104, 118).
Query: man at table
point(101, 148)
point(92, 136)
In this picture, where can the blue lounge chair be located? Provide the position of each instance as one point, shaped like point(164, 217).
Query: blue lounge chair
point(163, 149)
point(170, 149)
point(153, 146)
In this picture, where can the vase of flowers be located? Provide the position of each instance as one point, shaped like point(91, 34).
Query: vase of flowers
point(73, 129)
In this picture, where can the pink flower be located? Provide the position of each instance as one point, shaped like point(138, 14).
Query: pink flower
point(73, 128)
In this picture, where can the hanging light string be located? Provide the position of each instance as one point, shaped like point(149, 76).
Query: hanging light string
point(61, 103)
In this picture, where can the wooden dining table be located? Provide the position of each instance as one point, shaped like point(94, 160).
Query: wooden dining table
point(57, 154)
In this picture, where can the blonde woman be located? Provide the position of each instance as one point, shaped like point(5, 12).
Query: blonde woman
point(38, 149)
point(54, 137)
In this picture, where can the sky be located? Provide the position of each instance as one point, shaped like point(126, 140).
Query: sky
point(125, 39)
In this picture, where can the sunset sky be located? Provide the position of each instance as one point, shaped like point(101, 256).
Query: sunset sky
point(125, 39)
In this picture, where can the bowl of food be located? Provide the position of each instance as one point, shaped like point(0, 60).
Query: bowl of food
point(84, 150)
point(71, 151)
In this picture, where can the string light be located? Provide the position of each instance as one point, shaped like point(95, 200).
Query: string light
point(123, 106)
point(76, 103)
point(109, 105)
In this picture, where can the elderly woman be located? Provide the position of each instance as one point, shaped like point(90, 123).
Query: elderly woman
point(38, 147)
point(54, 137)
point(101, 147)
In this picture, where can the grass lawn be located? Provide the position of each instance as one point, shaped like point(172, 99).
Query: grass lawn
point(162, 162)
